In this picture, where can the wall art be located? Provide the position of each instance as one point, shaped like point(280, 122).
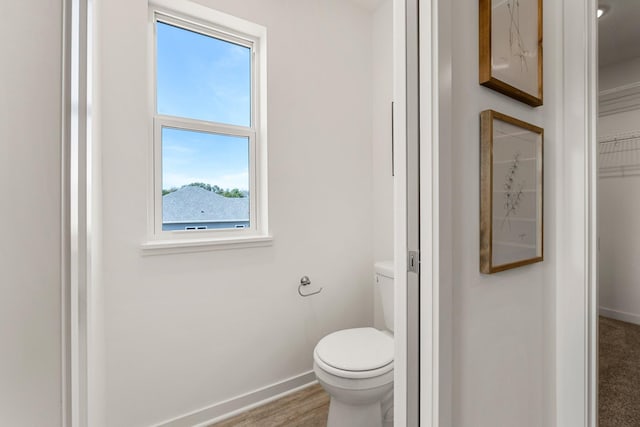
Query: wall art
point(511, 48)
point(511, 192)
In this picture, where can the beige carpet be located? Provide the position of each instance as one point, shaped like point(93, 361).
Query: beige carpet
point(619, 362)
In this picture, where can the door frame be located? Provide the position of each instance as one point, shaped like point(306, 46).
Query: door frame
point(576, 242)
point(77, 163)
point(80, 164)
point(400, 209)
point(435, 299)
point(575, 349)
point(422, 333)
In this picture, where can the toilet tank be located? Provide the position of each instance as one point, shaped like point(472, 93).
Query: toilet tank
point(384, 283)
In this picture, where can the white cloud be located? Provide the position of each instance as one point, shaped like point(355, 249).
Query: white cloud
point(238, 180)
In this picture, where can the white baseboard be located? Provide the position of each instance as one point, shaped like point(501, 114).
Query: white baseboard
point(620, 315)
point(234, 406)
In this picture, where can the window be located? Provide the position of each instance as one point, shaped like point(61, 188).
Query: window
point(209, 135)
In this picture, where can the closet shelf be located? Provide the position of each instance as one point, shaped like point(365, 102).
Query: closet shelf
point(619, 155)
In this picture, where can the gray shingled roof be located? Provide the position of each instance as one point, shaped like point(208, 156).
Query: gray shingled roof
point(195, 204)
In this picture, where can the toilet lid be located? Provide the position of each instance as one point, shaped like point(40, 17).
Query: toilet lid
point(359, 349)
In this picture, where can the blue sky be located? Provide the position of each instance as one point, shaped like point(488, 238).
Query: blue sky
point(201, 77)
point(204, 157)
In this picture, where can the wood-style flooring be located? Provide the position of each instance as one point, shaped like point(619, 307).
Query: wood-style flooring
point(619, 399)
point(308, 407)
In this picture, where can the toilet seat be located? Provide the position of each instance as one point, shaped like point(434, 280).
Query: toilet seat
point(355, 353)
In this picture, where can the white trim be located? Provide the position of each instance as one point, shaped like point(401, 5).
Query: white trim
point(576, 264)
point(591, 207)
point(413, 200)
point(400, 215)
point(199, 13)
point(436, 352)
point(186, 125)
point(191, 16)
point(204, 126)
point(443, 331)
point(164, 247)
point(67, 394)
point(229, 408)
point(429, 215)
point(620, 315)
point(202, 27)
point(592, 212)
point(76, 205)
point(619, 99)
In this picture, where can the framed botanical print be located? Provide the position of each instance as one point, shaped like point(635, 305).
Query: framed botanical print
point(511, 192)
point(511, 48)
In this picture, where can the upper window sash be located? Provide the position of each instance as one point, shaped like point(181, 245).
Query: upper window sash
point(193, 25)
point(220, 33)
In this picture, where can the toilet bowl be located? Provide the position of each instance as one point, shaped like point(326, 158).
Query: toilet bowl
point(355, 367)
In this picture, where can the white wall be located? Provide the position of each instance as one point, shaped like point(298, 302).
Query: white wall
point(618, 204)
point(30, 248)
point(382, 90)
point(503, 324)
point(619, 231)
point(620, 74)
point(187, 331)
point(96, 346)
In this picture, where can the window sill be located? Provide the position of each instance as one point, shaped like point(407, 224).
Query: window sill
point(165, 247)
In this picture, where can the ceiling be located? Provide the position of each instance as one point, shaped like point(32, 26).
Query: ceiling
point(619, 31)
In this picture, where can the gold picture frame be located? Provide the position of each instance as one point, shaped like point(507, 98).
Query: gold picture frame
point(511, 48)
point(511, 192)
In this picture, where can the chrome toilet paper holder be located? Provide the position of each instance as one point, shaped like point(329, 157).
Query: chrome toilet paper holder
point(305, 281)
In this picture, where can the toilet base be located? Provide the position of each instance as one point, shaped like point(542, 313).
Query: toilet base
point(363, 402)
point(343, 415)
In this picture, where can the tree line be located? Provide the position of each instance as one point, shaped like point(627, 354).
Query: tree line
point(232, 193)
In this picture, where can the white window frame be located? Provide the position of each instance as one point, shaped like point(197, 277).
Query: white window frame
point(228, 28)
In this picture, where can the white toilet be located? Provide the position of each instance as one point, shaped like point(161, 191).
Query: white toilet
point(355, 366)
